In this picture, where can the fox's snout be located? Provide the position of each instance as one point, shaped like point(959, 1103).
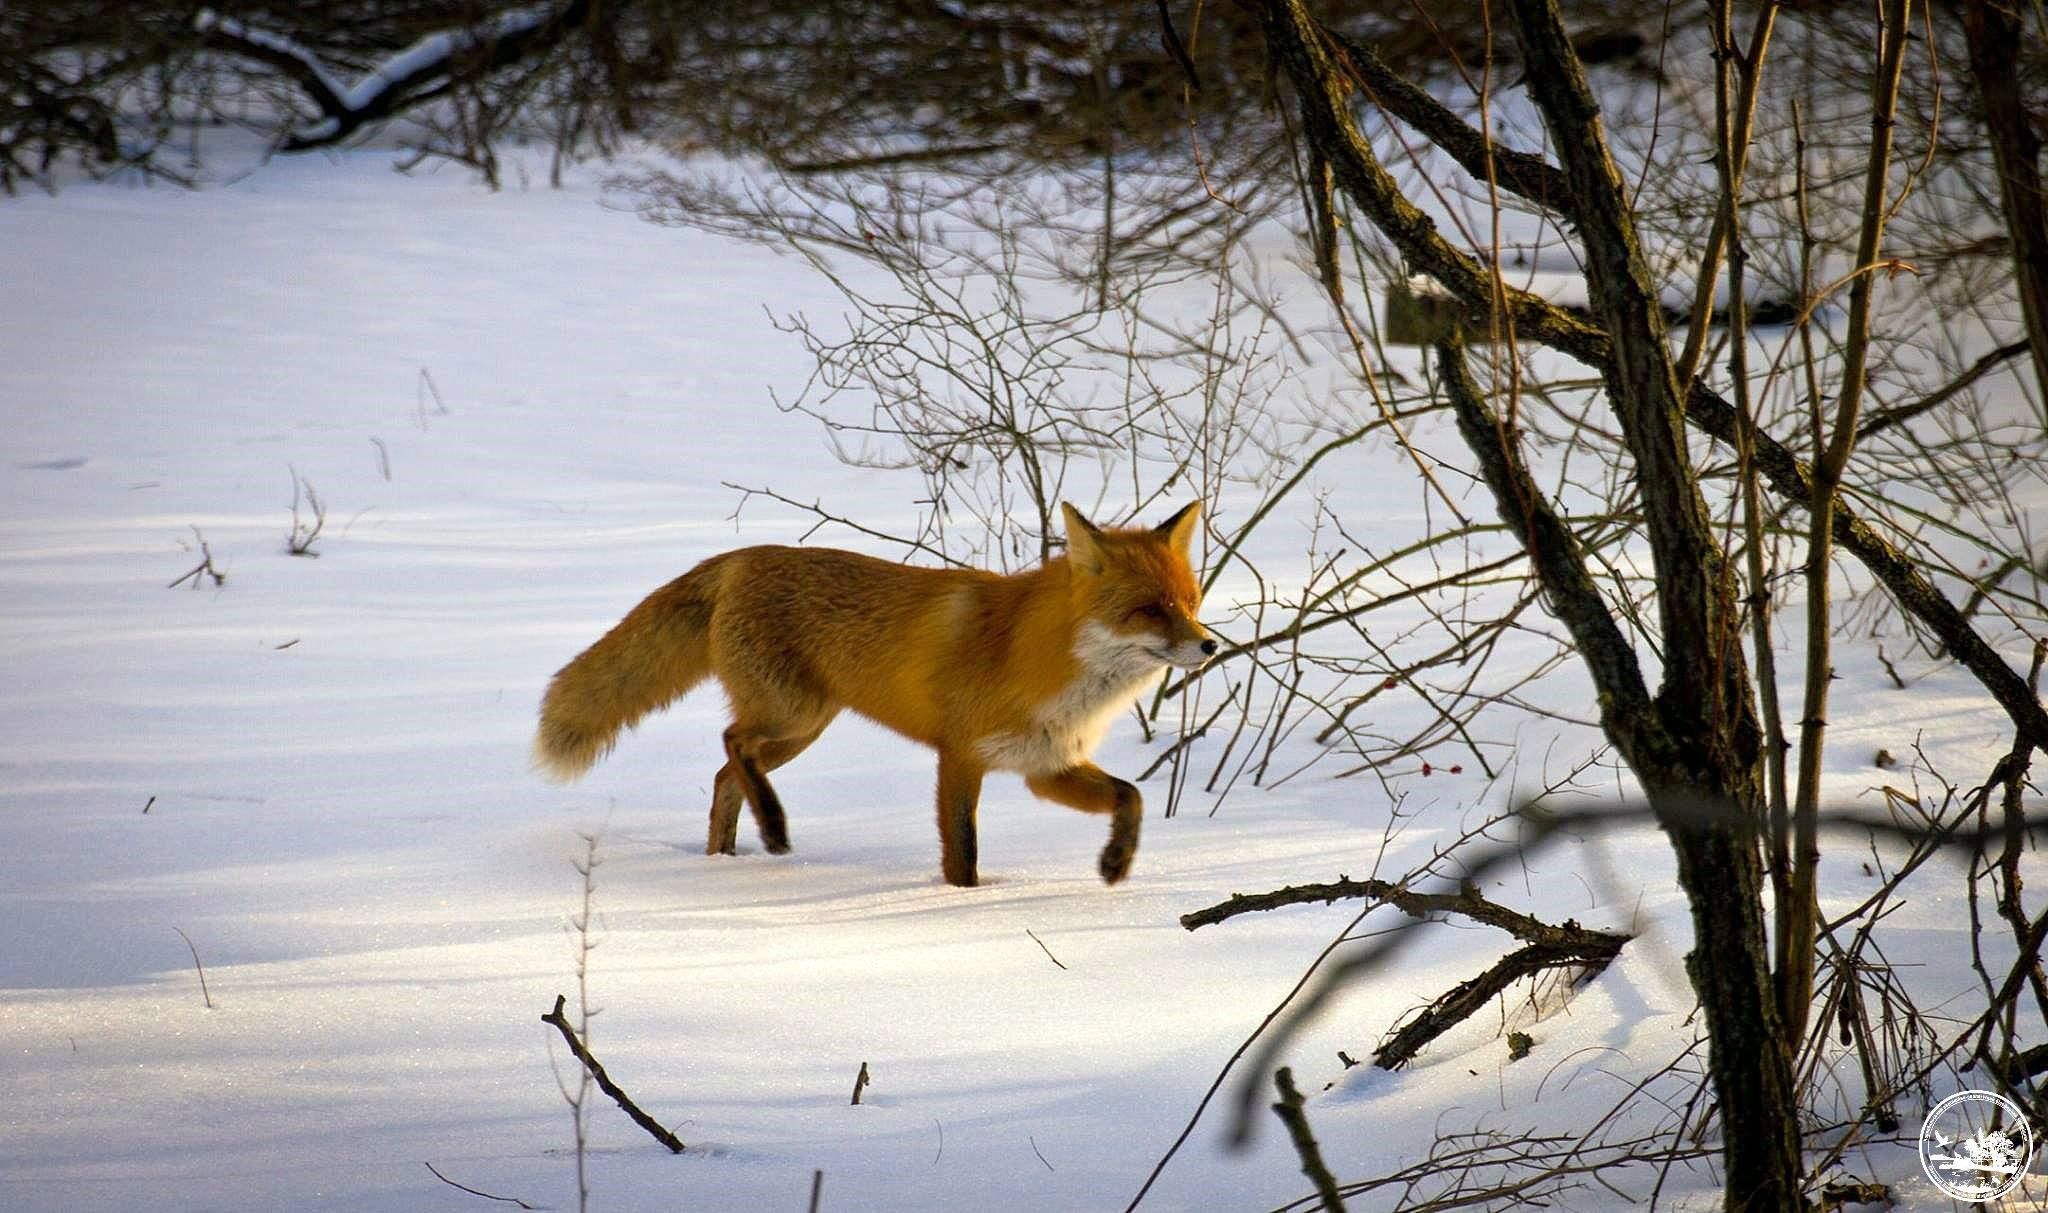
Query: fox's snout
point(1193, 653)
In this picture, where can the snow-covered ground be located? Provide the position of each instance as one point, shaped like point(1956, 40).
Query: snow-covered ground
point(517, 410)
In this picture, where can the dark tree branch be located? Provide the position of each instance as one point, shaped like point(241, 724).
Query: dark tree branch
point(604, 1080)
point(282, 55)
point(1466, 901)
point(1699, 739)
point(1521, 173)
point(1178, 49)
point(1904, 579)
point(1547, 946)
point(1324, 97)
point(1451, 1008)
point(1694, 588)
point(1707, 738)
point(1625, 706)
point(1884, 419)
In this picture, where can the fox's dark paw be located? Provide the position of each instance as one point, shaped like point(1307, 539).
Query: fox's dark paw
point(775, 846)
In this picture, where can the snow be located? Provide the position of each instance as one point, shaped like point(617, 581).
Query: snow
point(318, 772)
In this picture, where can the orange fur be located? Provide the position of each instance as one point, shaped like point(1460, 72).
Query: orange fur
point(1021, 672)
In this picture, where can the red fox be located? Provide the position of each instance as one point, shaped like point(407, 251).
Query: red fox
point(997, 673)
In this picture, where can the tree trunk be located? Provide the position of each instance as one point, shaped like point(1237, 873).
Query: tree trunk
point(1701, 773)
point(1995, 32)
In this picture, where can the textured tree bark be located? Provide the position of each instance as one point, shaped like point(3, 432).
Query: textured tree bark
point(1995, 31)
point(1708, 750)
point(1710, 808)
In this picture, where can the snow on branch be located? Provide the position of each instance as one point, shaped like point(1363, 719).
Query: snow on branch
point(417, 73)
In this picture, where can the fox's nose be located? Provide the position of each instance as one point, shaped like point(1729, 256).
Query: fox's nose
point(1209, 647)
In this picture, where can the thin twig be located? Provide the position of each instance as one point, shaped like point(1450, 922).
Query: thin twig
point(1187, 739)
point(604, 1081)
point(510, 1200)
point(203, 569)
point(203, 991)
point(1034, 1150)
point(1041, 945)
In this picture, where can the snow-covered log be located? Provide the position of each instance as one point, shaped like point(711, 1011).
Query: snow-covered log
point(419, 72)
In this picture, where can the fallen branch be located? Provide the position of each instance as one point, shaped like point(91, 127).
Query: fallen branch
point(1455, 1005)
point(1548, 946)
point(604, 1081)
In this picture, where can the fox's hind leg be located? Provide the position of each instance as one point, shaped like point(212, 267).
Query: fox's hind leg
point(751, 752)
point(726, 798)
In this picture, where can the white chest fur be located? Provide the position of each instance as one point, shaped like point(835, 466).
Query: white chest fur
point(1067, 728)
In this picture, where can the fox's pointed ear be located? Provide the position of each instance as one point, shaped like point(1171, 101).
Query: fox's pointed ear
point(1084, 540)
point(1179, 530)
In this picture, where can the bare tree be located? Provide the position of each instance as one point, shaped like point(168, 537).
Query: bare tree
point(1693, 741)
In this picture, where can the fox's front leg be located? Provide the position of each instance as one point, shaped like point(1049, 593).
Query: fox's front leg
point(1093, 790)
point(959, 794)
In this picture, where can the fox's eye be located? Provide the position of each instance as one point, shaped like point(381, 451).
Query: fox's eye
point(1152, 611)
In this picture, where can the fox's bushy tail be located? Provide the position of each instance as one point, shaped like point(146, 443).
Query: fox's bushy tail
point(647, 661)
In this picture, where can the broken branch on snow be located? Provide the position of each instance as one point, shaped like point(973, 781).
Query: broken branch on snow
point(604, 1080)
point(1546, 946)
